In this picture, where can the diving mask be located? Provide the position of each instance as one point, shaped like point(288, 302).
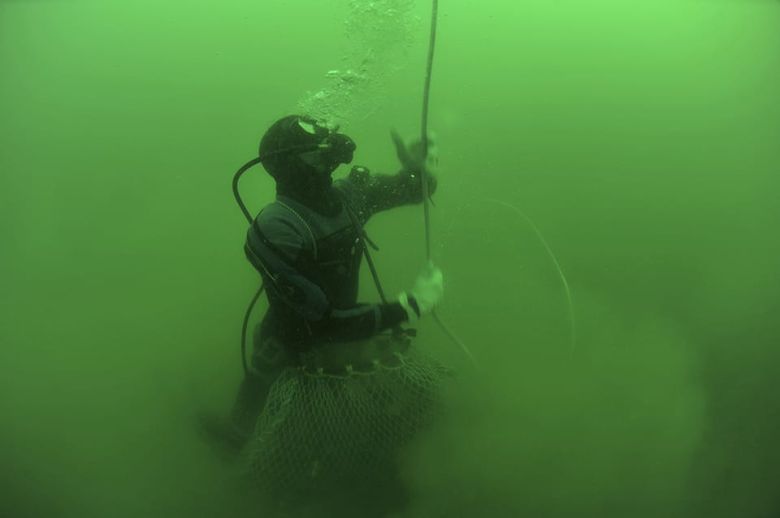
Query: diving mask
point(332, 149)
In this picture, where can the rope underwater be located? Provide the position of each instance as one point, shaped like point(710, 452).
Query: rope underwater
point(424, 126)
point(559, 270)
point(424, 173)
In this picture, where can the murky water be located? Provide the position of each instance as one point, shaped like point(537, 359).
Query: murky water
point(641, 138)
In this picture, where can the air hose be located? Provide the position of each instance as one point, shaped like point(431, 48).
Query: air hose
point(248, 216)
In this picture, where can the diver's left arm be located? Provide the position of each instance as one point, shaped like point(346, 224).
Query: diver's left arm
point(382, 192)
point(406, 187)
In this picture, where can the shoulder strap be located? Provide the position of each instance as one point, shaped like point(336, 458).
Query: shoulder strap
point(305, 225)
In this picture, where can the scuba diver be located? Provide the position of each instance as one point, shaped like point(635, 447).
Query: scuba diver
point(308, 246)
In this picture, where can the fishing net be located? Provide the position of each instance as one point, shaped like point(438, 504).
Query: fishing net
point(323, 431)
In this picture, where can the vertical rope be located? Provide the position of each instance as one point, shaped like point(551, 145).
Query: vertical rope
point(424, 170)
point(424, 128)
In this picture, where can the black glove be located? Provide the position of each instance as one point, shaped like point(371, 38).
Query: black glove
point(413, 159)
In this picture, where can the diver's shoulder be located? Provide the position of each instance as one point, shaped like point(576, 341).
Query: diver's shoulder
point(276, 216)
point(271, 212)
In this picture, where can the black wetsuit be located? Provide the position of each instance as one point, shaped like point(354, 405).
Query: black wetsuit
point(310, 262)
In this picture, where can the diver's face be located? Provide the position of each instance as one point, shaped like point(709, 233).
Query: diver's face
point(317, 171)
point(320, 166)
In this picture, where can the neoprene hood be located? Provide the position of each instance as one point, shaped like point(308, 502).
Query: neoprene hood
point(297, 145)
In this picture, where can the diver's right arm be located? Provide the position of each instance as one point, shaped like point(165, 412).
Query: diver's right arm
point(275, 248)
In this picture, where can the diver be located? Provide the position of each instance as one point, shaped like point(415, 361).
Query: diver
point(308, 246)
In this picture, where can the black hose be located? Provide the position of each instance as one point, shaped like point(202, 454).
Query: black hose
point(245, 326)
point(244, 168)
point(236, 177)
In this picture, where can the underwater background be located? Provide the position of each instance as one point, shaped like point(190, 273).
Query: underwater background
point(641, 137)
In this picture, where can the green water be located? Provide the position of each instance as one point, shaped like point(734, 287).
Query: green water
point(641, 137)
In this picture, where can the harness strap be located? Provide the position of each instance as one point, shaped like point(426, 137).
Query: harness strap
point(305, 224)
point(363, 238)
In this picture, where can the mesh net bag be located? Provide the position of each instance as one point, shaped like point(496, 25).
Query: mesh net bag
point(329, 429)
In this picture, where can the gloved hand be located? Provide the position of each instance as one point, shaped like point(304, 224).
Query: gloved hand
point(412, 157)
point(426, 294)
